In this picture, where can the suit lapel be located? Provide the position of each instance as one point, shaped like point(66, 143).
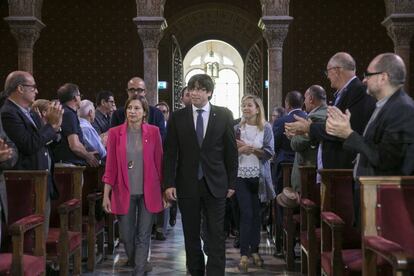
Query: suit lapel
point(190, 122)
point(23, 116)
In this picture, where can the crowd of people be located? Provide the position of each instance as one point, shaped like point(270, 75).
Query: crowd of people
point(219, 172)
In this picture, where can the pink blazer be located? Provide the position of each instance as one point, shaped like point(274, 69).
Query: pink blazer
point(116, 169)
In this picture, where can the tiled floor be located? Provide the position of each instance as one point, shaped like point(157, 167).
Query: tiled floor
point(168, 258)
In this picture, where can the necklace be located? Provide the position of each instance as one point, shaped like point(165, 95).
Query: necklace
point(133, 132)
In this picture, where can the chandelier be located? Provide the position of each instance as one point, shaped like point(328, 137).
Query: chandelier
point(211, 63)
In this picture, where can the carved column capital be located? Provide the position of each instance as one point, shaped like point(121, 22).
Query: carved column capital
point(398, 6)
point(400, 28)
point(25, 29)
point(275, 29)
point(150, 30)
point(275, 7)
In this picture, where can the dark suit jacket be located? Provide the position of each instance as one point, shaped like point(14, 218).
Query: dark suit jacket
point(218, 153)
point(283, 151)
point(361, 106)
point(156, 118)
point(31, 141)
point(384, 146)
point(8, 164)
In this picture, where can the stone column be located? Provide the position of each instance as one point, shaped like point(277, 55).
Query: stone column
point(275, 29)
point(150, 30)
point(26, 31)
point(400, 28)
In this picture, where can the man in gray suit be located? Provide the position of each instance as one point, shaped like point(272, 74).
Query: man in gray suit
point(305, 147)
point(8, 158)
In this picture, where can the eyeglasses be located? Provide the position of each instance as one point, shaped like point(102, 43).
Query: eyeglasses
point(369, 74)
point(329, 69)
point(33, 86)
point(135, 90)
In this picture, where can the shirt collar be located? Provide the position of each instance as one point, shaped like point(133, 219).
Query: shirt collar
point(382, 102)
point(206, 108)
point(294, 110)
point(25, 110)
point(84, 121)
point(344, 87)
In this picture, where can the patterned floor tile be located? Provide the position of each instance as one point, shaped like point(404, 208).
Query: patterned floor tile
point(168, 258)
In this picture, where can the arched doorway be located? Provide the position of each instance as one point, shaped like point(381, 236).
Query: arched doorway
point(225, 65)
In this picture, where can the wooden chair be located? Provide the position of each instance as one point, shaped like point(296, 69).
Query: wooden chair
point(340, 255)
point(387, 220)
point(310, 234)
point(289, 222)
point(65, 232)
point(26, 224)
point(93, 219)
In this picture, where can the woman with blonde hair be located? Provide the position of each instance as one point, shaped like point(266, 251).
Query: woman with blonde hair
point(254, 184)
point(40, 106)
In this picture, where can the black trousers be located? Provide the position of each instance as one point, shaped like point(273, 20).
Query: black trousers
point(214, 212)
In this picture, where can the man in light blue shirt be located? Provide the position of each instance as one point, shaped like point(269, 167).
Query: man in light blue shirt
point(86, 114)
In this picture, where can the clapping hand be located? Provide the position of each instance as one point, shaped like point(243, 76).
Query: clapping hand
point(299, 127)
point(5, 151)
point(338, 123)
point(54, 115)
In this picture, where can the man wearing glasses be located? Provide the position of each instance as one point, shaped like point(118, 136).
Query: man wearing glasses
point(105, 102)
point(136, 86)
point(26, 130)
point(386, 146)
point(350, 94)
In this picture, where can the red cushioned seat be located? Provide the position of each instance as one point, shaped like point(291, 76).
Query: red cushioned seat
point(52, 241)
point(32, 265)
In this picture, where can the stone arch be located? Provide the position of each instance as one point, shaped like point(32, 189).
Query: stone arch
point(215, 21)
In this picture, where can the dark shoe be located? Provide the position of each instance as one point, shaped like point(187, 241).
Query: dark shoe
point(172, 222)
point(159, 236)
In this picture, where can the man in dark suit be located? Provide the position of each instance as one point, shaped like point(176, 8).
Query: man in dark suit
point(284, 153)
point(136, 86)
point(25, 129)
point(200, 168)
point(390, 131)
point(388, 138)
point(350, 94)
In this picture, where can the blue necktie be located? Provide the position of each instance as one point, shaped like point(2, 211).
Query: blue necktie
point(200, 134)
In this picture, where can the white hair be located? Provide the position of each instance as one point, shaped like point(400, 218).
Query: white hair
point(85, 107)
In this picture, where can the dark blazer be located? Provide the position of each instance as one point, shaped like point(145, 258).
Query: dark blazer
point(31, 141)
point(283, 150)
point(8, 164)
point(156, 118)
point(384, 146)
point(361, 106)
point(218, 153)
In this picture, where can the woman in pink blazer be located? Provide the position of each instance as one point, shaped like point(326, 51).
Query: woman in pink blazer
point(133, 179)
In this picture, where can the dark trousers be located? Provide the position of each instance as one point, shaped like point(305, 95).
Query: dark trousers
point(213, 210)
point(247, 195)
